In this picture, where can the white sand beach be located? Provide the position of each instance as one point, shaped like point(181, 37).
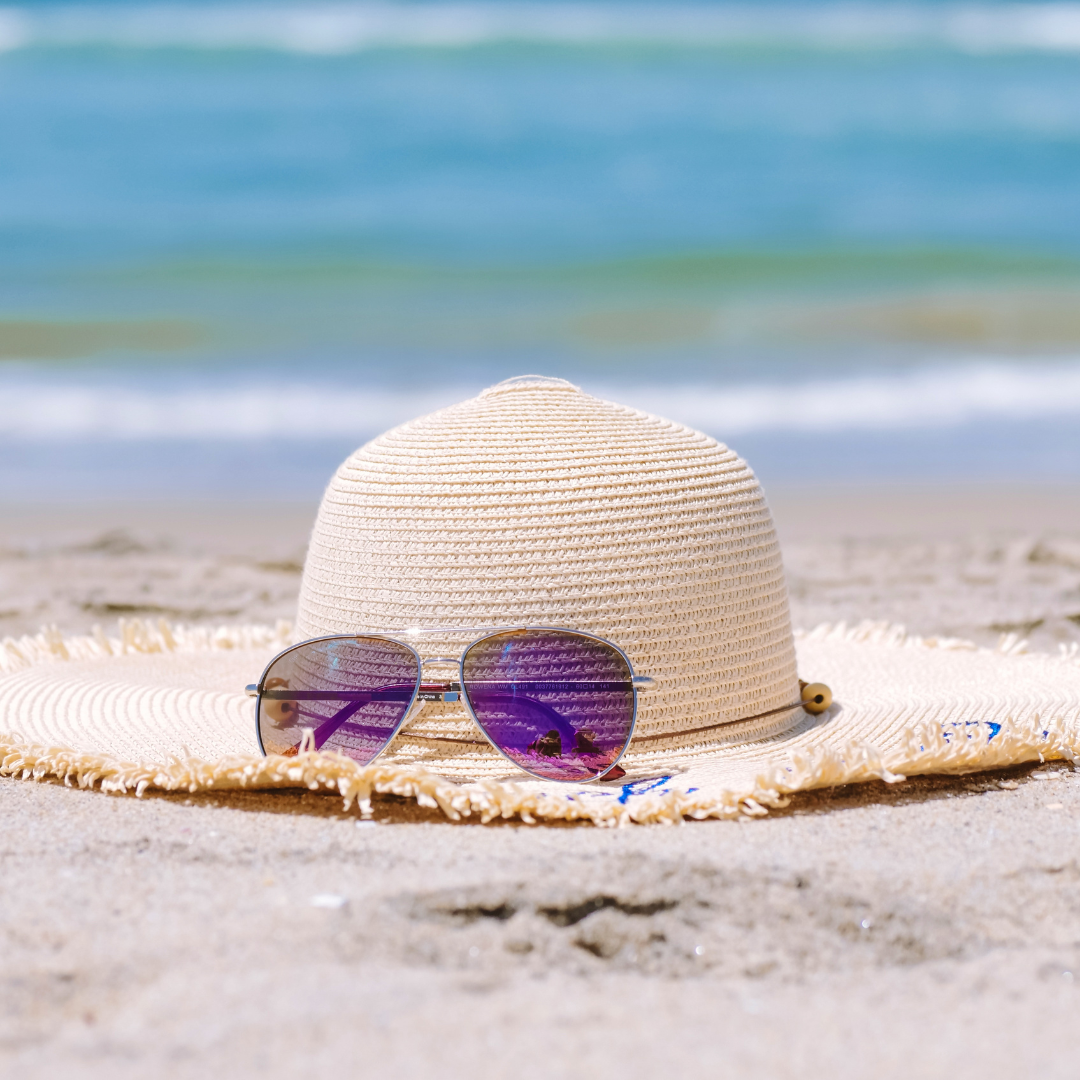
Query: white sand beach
point(925, 929)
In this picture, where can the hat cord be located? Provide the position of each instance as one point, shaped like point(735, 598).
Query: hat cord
point(816, 699)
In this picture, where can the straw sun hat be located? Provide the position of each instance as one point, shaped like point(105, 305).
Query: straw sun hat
point(536, 504)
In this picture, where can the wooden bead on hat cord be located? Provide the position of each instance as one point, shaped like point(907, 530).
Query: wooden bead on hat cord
point(816, 697)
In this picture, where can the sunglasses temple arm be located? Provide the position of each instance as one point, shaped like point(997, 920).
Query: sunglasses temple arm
point(325, 730)
point(556, 719)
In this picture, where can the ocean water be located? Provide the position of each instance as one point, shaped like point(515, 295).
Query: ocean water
point(238, 239)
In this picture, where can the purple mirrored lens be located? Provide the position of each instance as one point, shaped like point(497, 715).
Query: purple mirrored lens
point(558, 704)
point(351, 693)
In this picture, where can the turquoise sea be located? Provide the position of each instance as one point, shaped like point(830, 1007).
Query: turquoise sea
point(238, 239)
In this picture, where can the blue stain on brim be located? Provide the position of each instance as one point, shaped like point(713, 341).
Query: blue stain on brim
point(948, 730)
point(638, 787)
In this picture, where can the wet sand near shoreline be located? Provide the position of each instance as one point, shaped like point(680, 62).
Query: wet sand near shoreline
point(924, 929)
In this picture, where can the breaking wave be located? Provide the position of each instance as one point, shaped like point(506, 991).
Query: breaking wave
point(37, 408)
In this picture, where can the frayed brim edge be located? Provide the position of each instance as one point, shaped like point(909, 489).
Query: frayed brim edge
point(924, 750)
point(137, 637)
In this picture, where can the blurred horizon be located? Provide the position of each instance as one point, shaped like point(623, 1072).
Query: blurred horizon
point(239, 239)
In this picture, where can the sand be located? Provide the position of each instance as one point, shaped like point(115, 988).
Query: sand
point(927, 929)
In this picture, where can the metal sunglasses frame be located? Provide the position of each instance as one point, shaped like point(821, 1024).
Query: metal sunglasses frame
point(455, 690)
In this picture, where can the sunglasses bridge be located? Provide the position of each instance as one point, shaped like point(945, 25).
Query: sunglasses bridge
point(440, 691)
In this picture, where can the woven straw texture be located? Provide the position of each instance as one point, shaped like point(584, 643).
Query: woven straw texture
point(538, 504)
point(162, 707)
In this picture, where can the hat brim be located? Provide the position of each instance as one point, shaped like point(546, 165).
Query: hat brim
point(164, 708)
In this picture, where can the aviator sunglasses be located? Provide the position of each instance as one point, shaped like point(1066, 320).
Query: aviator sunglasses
point(559, 704)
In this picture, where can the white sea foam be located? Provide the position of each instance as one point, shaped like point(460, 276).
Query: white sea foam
point(332, 28)
point(921, 398)
point(281, 412)
point(36, 409)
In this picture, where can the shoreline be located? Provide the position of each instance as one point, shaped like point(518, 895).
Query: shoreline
point(865, 508)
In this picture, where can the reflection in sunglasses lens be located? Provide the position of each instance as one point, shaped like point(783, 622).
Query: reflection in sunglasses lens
point(559, 705)
point(350, 693)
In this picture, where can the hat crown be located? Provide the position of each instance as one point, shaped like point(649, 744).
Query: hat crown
point(537, 504)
